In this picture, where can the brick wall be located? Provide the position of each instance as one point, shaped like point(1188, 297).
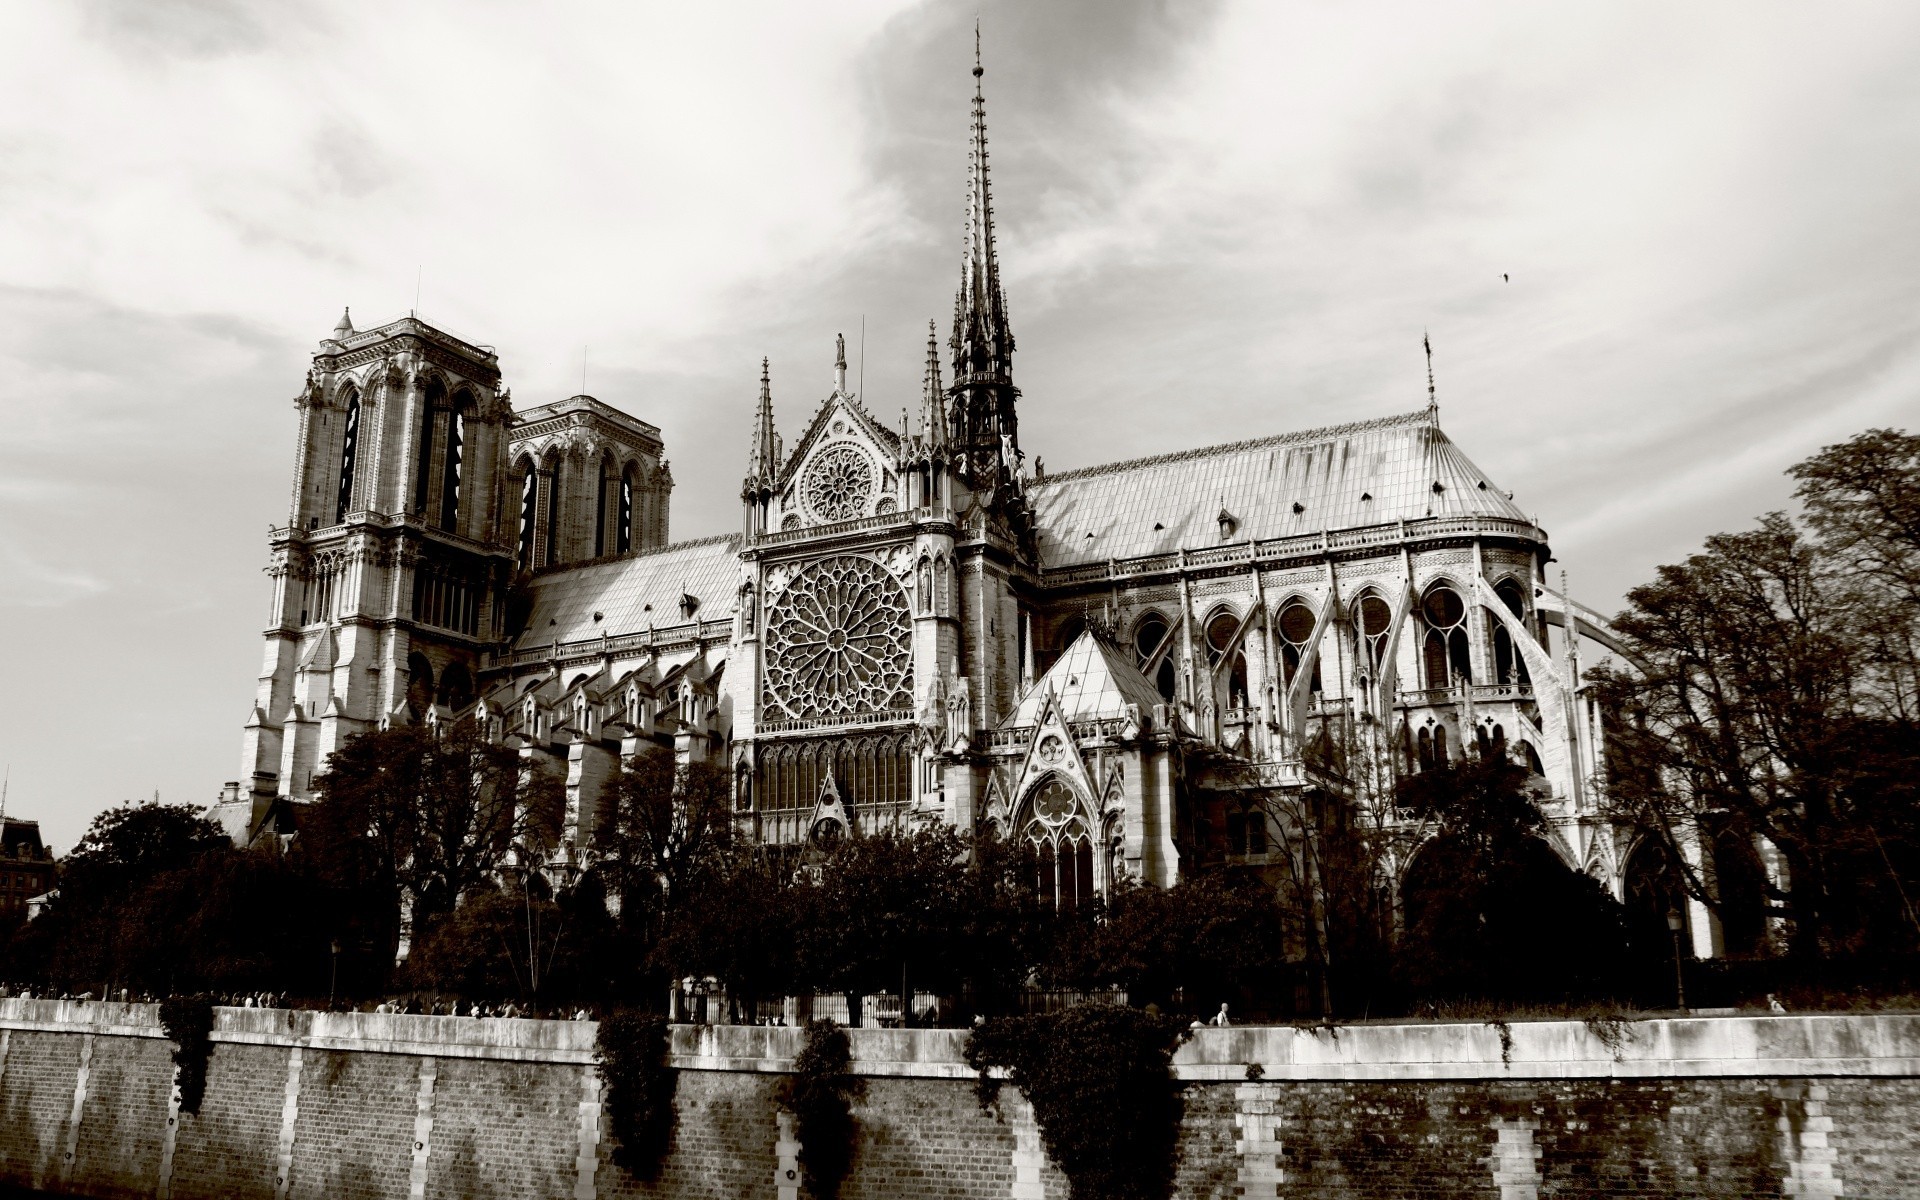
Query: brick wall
point(325, 1105)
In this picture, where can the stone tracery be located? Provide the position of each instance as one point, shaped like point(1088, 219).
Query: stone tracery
point(838, 643)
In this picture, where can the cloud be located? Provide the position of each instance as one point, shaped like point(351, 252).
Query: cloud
point(1217, 220)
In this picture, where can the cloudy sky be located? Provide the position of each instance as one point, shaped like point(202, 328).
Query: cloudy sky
point(1217, 220)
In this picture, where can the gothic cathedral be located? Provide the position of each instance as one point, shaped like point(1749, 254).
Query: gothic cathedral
point(1123, 664)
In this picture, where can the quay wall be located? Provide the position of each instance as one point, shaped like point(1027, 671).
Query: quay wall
point(394, 1107)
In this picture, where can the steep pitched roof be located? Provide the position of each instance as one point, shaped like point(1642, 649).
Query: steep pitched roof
point(633, 594)
point(1339, 477)
point(1093, 679)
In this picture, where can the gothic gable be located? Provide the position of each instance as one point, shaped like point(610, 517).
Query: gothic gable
point(842, 470)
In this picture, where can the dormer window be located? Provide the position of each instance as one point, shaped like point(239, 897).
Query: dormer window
point(1229, 524)
point(688, 605)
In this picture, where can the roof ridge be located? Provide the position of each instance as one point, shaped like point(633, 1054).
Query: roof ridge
point(1323, 433)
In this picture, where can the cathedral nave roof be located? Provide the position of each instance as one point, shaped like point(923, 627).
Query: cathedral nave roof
point(1340, 477)
point(634, 593)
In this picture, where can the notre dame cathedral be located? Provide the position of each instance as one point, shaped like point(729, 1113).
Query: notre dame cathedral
point(1122, 664)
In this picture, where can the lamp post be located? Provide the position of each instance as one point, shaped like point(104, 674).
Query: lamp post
point(1674, 923)
point(333, 975)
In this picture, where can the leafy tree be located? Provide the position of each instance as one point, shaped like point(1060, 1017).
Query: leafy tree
point(882, 912)
point(659, 824)
point(128, 846)
point(1491, 912)
point(416, 818)
point(1206, 937)
point(820, 1094)
point(498, 942)
point(1776, 713)
point(738, 924)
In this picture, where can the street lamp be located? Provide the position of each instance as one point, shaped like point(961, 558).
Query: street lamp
point(1674, 923)
point(333, 976)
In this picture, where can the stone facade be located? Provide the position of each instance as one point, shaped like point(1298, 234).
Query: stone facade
point(312, 1104)
point(1123, 664)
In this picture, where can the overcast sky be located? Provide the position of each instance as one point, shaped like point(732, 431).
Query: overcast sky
point(1217, 221)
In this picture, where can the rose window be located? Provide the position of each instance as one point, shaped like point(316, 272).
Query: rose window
point(837, 642)
point(838, 484)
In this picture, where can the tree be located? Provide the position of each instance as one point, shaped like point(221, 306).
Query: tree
point(1491, 911)
point(1207, 937)
point(498, 942)
point(418, 817)
point(738, 924)
point(659, 824)
point(1775, 717)
point(127, 846)
point(882, 912)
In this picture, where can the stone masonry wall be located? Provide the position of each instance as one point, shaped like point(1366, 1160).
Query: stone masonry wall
point(316, 1105)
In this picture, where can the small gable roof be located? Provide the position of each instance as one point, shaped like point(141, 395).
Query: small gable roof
point(1093, 679)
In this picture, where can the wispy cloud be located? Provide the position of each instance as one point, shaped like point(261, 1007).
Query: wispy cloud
point(1662, 252)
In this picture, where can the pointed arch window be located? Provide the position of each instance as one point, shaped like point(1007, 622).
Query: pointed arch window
point(450, 470)
point(604, 485)
point(1508, 665)
point(1220, 631)
point(549, 553)
point(624, 541)
point(1062, 844)
point(432, 400)
point(1445, 652)
point(1296, 635)
point(1374, 618)
point(1148, 636)
point(349, 450)
point(529, 505)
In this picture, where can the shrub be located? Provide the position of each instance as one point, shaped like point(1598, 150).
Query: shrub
point(1100, 1079)
point(188, 1020)
point(819, 1094)
point(639, 1089)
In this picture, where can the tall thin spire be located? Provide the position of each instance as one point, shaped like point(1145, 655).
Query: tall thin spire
point(1433, 401)
point(933, 411)
point(763, 460)
point(982, 342)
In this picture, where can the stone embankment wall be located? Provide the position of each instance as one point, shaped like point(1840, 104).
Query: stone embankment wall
point(303, 1104)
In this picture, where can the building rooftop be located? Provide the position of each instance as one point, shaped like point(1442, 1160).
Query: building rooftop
point(1343, 476)
point(633, 594)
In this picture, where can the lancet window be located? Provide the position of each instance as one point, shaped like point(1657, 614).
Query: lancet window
point(1221, 648)
point(529, 506)
point(1296, 626)
point(433, 398)
point(450, 469)
point(349, 450)
point(1508, 665)
point(1062, 844)
point(1445, 652)
point(1374, 620)
point(1150, 638)
point(624, 536)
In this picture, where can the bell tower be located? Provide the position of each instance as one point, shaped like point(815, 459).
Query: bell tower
point(389, 576)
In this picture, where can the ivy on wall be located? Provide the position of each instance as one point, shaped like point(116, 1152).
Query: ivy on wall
point(639, 1083)
point(820, 1095)
point(1100, 1079)
point(188, 1020)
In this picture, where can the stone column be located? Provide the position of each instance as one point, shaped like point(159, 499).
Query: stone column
point(1258, 1144)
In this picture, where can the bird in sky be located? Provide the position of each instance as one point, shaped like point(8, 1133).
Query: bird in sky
point(1505, 278)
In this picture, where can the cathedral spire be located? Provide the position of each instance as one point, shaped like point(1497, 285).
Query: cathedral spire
point(763, 461)
point(982, 342)
point(933, 410)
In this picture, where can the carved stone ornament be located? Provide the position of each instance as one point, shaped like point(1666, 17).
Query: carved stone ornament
point(839, 483)
point(838, 642)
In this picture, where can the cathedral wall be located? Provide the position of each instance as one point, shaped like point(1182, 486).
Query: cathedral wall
point(365, 1105)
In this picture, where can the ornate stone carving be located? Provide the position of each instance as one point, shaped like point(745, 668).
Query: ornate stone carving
point(839, 483)
point(838, 642)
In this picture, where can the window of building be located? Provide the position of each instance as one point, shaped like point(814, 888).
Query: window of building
point(1062, 845)
point(1374, 618)
point(1445, 652)
point(1148, 637)
point(1296, 633)
point(432, 400)
point(625, 540)
point(1220, 631)
point(349, 449)
point(1508, 665)
point(450, 471)
point(529, 502)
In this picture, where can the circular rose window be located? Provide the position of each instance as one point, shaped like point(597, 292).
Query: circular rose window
point(838, 485)
point(838, 642)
